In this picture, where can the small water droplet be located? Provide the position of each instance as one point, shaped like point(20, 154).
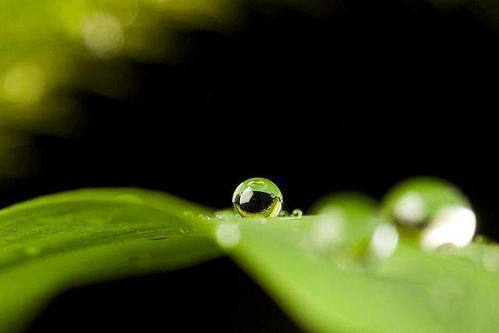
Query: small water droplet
point(327, 232)
point(384, 241)
point(431, 211)
point(227, 234)
point(283, 213)
point(297, 212)
point(204, 217)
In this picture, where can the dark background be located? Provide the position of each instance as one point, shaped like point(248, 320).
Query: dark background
point(361, 98)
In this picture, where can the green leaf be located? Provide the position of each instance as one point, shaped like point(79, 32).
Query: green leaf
point(413, 291)
point(59, 241)
point(56, 242)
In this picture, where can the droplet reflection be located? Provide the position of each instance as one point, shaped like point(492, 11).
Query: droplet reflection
point(452, 225)
point(257, 197)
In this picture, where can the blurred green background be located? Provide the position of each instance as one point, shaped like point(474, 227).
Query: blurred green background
point(49, 49)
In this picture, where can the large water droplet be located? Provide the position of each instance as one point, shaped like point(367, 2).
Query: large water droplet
point(257, 197)
point(432, 211)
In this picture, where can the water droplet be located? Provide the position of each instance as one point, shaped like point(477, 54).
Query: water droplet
point(326, 232)
point(103, 35)
point(25, 83)
point(411, 208)
point(452, 225)
point(384, 241)
point(283, 213)
point(297, 212)
point(227, 234)
point(432, 211)
point(225, 214)
point(204, 217)
point(344, 229)
point(257, 197)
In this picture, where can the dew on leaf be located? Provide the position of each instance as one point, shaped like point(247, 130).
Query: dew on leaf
point(384, 241)
point(283, 213)
point(257, 197)
point(432, 211)
point(227, 234)
point(345, 227)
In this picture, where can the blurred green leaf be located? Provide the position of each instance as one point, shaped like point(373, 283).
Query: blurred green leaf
point(56, 242)
point(59, 241)
point(413, 291)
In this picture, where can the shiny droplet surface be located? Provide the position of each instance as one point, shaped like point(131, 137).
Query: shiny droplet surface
point(431, 210)
point(257, 197)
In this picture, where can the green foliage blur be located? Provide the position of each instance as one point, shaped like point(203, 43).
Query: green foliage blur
point(48, 48)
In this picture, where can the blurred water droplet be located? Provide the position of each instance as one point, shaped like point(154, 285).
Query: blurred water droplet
point(431, 211)
point(452, 225)
point(346, 236)
point(204, 217)
point(103, 35)
point(227, 234)
point(410, 209)
point(327, 232)
point(283, 213)
point(297, 212)
point(24, 83)
point(384, 241)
